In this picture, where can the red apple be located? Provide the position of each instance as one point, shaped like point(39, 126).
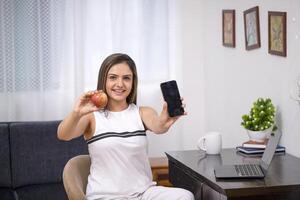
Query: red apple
point(99, 99)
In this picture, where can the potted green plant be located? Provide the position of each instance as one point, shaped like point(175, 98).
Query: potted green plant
point(261, 120)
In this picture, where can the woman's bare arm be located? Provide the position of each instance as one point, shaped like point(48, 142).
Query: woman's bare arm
point(78, 122)
point(72, 126)
point(157, 123)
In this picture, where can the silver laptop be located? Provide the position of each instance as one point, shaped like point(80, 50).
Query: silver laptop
point(251, 170)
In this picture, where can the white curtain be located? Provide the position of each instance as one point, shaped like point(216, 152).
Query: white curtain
point(51, 50)
point(29, 59)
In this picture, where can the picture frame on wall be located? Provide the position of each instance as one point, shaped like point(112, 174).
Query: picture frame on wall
point(228, 28)
point(252, 30)
point(277, 33)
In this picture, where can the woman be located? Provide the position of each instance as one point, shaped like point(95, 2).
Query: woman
point(116, 136)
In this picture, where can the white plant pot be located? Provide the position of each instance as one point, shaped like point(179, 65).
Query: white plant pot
point(259, 136)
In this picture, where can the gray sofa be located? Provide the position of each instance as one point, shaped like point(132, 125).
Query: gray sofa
point(32, 160)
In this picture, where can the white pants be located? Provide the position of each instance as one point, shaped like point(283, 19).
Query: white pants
point(158, 193)
point(165, 193)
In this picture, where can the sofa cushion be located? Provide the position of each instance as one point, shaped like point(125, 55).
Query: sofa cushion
point(37, 156)
point(5, 175)
point(6, 194)
point(42, 191)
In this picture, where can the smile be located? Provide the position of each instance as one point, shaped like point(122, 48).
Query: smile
point(118, 91)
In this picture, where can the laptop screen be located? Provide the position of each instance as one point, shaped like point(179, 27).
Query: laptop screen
point(270, 149)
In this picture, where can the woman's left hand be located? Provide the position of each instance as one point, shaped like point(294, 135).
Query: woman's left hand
point(165, 120)
point(158, 123)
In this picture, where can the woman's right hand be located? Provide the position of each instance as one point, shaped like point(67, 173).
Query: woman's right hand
point(84, 105)
point(78, 122)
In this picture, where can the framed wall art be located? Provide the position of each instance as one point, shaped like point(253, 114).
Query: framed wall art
point(277, 33)
point(228, 28)
point(251, 26)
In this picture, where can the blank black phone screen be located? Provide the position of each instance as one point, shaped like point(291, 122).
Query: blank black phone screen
point(172, 97)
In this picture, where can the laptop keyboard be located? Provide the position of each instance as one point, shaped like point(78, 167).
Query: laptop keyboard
point(248, 170)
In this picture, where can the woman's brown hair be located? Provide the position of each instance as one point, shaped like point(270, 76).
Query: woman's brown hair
point(111, 61)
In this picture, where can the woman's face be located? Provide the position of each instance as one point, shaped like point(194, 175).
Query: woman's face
point(119, 82)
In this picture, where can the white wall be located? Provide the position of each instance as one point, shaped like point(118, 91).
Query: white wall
point(221, 83)
point(193, 74)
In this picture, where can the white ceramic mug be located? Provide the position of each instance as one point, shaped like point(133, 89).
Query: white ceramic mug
point(211, 143)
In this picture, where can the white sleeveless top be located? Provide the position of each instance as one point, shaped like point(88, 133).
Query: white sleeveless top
point(120, 167)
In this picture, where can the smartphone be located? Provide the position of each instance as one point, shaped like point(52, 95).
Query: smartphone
point(172, 97)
